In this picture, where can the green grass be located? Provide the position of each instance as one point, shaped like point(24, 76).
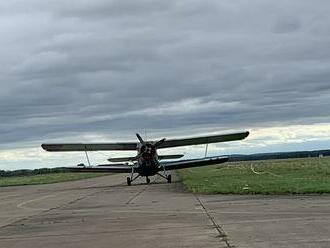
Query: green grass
point(45, 178)
point(289, 176)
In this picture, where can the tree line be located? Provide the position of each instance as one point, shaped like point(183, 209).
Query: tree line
point(279, 155)
point(25, 172)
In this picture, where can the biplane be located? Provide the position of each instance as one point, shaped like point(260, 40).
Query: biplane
point(147, 162)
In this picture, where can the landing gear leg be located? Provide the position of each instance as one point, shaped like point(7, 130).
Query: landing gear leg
point(166, 176)
point(131, 178)
point(169, 178)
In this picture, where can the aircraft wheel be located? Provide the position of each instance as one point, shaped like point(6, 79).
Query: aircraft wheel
point(129, 181)
point(148, 180)
point(169, 178)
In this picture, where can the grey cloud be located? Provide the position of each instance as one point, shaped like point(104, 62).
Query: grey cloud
point(120, 66)
point(286, 25)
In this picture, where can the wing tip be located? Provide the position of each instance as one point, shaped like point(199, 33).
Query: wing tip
point(44, 146)
point(48, 147)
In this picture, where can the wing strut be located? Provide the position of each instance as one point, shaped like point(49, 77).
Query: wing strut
point(207, 145)
point(89, 163)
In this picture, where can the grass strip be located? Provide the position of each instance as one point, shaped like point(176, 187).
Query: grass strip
point(287, 176)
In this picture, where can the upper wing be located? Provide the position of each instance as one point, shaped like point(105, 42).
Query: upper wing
point(194, 163)
point(130, 146)
point(89, 147)
point(123, 168)
point(203, 140)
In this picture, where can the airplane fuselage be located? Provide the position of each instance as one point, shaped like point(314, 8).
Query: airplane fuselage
point(148, 168)
point(148, 163)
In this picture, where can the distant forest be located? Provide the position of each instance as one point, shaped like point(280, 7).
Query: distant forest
point(279, 155)
point(17, 173)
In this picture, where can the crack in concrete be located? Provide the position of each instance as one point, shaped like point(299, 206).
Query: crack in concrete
point(222, 235)
point(139, 193)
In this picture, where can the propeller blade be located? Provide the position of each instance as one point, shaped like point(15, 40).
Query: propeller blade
point(140, 139)
point(159, 142)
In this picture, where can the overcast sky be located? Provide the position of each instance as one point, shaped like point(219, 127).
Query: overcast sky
point(101, 70)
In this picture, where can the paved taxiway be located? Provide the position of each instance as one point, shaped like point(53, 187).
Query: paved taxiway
point(104, 212)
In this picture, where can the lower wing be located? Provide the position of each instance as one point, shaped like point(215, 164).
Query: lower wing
point(118, 168)
point(194, 163)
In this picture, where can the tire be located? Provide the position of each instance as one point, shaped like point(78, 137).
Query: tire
point(129, 181)
point(169, 178)
point(148, 180)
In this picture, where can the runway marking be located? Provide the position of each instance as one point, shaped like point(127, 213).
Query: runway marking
point(22, 204)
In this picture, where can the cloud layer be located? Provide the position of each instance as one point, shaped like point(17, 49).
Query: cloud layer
point(79, 68)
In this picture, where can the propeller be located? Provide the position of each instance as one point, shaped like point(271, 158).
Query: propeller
point(140, 139)
point(155, 144)
point(151, 145)
point(158, 143)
